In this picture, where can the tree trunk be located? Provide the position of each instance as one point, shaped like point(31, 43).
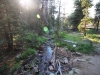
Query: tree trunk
point(84, 32)
point(98, 25)
point(10, 42)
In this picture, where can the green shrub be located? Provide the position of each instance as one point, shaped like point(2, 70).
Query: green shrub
point(71, 37)
point(1, 57)
point(92, 36)
point(17, 60)
point(34, 40)
point(61, 35)
point(70, 47)
point(85, 48)
point(4, 67)
point(15, 67)
point(27, 53)
point(39, 41)
point(60, 43)
point(91, 31)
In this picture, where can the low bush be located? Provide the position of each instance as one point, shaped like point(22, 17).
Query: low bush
point(85, 48)
point(14, 68)
point(91, 31)
point(60, 43)
point(70, 47)
point(27, 53)
point(92, 36)
point(33, 40)
point(4, 67)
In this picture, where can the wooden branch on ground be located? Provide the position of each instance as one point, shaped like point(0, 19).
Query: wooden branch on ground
point(53, 57)
point(59, 67)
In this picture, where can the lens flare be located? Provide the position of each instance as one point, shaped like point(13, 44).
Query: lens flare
point(26, 3)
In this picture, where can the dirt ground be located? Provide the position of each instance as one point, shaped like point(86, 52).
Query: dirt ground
point(89, 64)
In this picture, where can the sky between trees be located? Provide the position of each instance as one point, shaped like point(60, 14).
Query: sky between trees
point(68, 5)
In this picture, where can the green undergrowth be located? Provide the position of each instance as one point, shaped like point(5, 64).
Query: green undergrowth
point(4, 67)
point(24, 55)
point(32, 40)
point(93, 35)
point(85, 48)
point(81, 46)
point(68, 36)
point(14, 68)
point(91, 31)
point(27, 53)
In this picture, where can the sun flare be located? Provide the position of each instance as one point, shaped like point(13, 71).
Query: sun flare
point(26, 3)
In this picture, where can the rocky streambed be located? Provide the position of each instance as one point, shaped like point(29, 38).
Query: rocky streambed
point(53, 60)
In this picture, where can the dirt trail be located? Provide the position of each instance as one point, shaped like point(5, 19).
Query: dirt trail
point(91, 65)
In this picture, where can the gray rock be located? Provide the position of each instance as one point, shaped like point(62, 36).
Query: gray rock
point(26, 66)
point(36, 69)
point(51, 68)
point(24, 73)
point(77, 70)
point(71, 72)
point(78, 53)
point(52, 74)
point(81, 60)
point(21, 62)
point(65, 60)
point(18, 56)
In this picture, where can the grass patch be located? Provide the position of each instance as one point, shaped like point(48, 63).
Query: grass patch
point(73, 37)
point(27, 53)
point(4, 67)
point(60, 43)
point(70, 47)
point(14, 68)
point(93, 37)
point(1, 57)
point(85, 48)
point(65, 36)
point(33, 40)
point(91, 31)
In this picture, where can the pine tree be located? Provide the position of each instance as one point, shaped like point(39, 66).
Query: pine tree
point(77, 15)
point(86, 4)
point(97, 16)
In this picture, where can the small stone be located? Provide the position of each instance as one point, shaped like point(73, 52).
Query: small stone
point(15, 73)
point(47, 72)
point(78, 53)
point(71, 72)
point(21, 62)
point(50, 67)
point(25, 72)
point(40, 55)
point(52, 74)
point(36, 69)
point(77, 70)
point(26, 66)
point(65, 60)
point(81, 60)
point(74, 45)
point(30, 74)
point(18, 56)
